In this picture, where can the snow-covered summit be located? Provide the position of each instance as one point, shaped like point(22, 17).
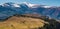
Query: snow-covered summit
point(10, 4)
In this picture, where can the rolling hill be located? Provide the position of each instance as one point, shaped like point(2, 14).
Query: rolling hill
point(15, 22)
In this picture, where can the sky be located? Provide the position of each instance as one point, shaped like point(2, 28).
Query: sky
point(42, 2)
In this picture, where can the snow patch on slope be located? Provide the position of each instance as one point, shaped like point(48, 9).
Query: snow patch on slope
point(16, 5)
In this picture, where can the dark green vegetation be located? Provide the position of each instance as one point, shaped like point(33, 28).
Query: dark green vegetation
point(53, 24)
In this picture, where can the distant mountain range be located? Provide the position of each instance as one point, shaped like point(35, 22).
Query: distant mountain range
point(10, 9)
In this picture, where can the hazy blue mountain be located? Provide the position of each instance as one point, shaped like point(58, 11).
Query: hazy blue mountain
point(9, 9)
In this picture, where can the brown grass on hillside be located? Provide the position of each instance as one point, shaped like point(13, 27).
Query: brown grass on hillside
point(22, 23)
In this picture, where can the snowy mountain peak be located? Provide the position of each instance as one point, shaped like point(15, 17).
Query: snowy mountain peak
point(36, 5)
point(29, 4)
point(47, 6)
point(10, 4)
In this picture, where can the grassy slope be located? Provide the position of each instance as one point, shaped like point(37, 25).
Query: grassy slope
point(22, 23)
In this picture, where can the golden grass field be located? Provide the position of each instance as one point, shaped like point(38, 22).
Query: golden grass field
point(22, 23)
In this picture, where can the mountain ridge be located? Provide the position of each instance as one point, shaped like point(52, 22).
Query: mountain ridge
point(13, 8)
